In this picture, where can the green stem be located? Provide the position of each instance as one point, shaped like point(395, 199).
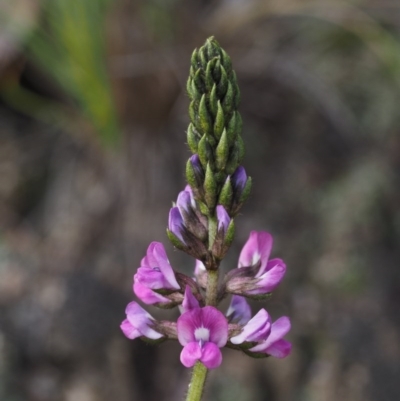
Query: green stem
point(212, 230)
point(199, 373)
point(196, 385)
point(212, 276)
point(212, 288)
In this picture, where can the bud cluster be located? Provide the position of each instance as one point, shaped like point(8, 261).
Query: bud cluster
point(214, 133)
point(201, 223)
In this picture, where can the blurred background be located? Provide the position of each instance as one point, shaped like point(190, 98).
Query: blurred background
point(93, 114)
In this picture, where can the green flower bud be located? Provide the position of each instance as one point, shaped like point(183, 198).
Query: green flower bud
point(214, 132)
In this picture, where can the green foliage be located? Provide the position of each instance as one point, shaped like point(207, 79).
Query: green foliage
point(71, 47)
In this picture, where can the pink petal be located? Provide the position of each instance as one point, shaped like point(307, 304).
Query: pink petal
point(129, 330)
point(140, 319)
point(216, 322)
point(278, 330)
point(279, 349)
point(270, 279)
point(189, 301)
point(151, 278)
point(145, 262)
point(257, 329)
point(199, 267)
point(209, 318)
point(149, 254)
point(258, 247)
point(190, 354)
point(270, 265)
point(184, 201)
point(161, 260)
point(187, 324)
point(146, 295)
point(175, 223)
point(222, 218)
point(211, 356)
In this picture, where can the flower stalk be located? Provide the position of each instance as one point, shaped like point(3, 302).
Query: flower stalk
point(196, 386)
point(201, 223)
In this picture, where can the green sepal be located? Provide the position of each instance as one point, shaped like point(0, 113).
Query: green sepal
point(192, 138)
point(230, 234)
point(176, 242)
point(204, 116)
point(212, 47)
point(217, 71)
point(210, 188)
point(203, 151)
point(258, 297)
point(226, 194)
point(203, 56)
point(158, 341)
point(189, 87)
point(226, 61)
point(203, 208)
point(222, 152)
point(191, 175)
point(196, 95)
point(228, 102)
point(220, 177)
point(233, 160)
point(213, 101)
point(223, 84)
point(246, 191)
point(219, 121)
point(209, 78)
point(241, 149)
point(198, 81)
point(192, 112)
point(194, 61)
point(232, 129)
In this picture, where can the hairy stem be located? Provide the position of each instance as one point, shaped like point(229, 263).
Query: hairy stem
point(212, 288)
point(212, 275)
point(196, 385)
point(212, 230)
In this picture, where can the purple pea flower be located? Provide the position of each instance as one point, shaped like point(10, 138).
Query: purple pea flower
point(275, 345)
point(184, 201)
point(269, 336)
point(176, 224)
point(147, 295)
point(257, 329)
point(138, 323)
point(202, 332)
point(223, 219)
point(224, 235)
point(256, 274)
point(155, 273)
point(196, 164)
point(239, 310)
point(192, 222)
point(238, 180)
